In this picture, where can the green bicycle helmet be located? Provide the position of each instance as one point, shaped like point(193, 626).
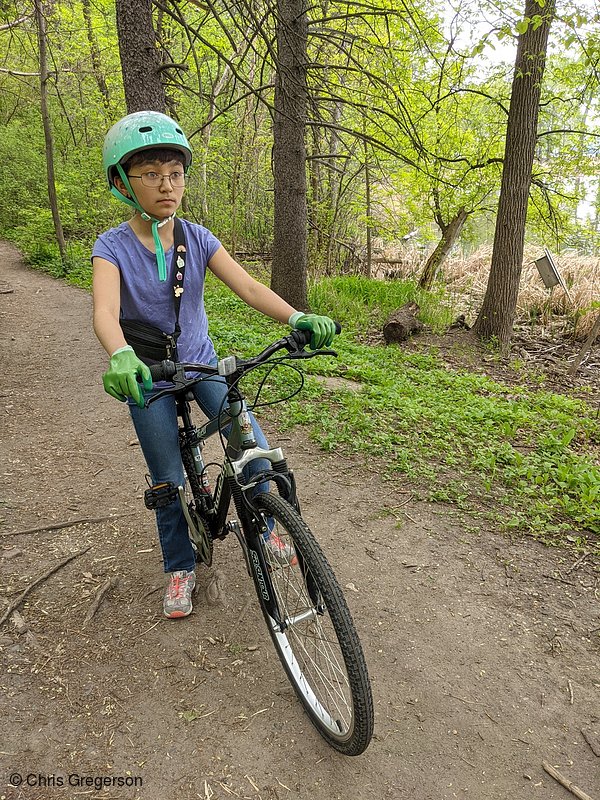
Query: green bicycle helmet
point(142, 130)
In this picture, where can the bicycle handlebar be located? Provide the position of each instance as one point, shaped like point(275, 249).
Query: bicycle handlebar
point(294, 343)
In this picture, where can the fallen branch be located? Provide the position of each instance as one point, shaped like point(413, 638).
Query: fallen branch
point(587, 345)
point(59, 525)
point(579, 561)
point(98, 598)
point(554, 773)
point(16, 603)
point(594, 743)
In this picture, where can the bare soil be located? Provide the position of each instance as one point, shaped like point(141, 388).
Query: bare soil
point(483, 651)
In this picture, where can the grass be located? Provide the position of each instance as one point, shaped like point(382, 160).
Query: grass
point(360, 303)
point(523, 454)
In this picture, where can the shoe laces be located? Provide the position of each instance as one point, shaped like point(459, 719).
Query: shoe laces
point(277, 542)
point(177, 586)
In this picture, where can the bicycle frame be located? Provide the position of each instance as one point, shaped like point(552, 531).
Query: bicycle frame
point(241, 449)
point(231, 484)
point(302, 602)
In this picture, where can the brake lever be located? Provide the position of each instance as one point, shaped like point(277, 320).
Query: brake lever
point(178, 384)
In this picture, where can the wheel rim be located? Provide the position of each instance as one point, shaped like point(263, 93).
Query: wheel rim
point(310, 649)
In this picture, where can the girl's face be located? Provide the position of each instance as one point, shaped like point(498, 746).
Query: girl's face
point(158, 187)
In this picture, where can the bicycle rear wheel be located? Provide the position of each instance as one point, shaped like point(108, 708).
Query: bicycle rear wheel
point(319, 647)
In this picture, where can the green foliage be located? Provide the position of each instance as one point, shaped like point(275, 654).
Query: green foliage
point(393, 93)
point(360, 303)
point(408, 413)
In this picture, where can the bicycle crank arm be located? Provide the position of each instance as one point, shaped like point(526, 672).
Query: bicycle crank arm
point(198, 535)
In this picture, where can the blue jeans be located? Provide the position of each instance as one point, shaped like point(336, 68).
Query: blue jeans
point(156, 428)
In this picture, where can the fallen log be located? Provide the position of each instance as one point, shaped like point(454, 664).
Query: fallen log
point(402, 323)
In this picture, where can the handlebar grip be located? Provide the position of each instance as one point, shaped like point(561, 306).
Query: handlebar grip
point(163, 371)
point(302, 338)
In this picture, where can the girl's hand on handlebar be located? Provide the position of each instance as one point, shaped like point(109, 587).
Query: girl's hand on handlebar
point(120, 379)
point(322, 329)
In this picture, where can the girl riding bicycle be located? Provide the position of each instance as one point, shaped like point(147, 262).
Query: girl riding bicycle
point(148, 279)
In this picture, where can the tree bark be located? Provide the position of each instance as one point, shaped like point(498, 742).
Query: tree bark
point(497, 313)
point(140, 62)
point(95, 56)
point(450, 234)
point(40, 18)
point(288, 276)
point(402, 323)
point(369, 230)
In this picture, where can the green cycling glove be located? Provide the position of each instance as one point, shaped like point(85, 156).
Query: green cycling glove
point(322, 328)
point(120, 378)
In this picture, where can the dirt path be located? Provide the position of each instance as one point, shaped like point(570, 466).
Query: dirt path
point(484, 658)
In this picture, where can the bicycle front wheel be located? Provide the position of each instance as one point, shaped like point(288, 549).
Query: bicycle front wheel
point(319, 647)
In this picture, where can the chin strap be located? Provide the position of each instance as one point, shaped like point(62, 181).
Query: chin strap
point(156, 223)
point(160, 250)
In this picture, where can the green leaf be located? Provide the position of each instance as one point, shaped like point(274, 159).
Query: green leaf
point(522, 26)
point(537, 21)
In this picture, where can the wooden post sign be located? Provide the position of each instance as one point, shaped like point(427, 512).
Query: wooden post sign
point(549, 272)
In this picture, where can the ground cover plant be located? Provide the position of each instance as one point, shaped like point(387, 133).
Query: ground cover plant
point(525, 453)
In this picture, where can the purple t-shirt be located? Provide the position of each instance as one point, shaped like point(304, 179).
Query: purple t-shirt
point(145, 298)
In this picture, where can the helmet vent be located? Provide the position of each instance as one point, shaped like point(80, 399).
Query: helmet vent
point(145, 129)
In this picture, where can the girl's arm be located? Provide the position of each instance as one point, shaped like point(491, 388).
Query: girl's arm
point(107, 305)
point(251, 291)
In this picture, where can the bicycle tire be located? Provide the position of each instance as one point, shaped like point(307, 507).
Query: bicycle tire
point(320, 651)
point(203, 547)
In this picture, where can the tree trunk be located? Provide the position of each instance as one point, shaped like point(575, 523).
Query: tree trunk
point(369, 230)
point(333, 192)
point(497, 313)
point(95, 55)
point(288, 277)
point(40, 18)
point(450, 234)
point(140, 62)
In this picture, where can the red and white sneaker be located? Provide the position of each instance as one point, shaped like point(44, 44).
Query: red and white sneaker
point(280, 554)
point(178, 597)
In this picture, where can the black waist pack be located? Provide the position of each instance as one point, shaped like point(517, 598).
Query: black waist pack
point(149, 342)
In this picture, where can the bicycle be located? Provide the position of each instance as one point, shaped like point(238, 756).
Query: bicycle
point(301, 601)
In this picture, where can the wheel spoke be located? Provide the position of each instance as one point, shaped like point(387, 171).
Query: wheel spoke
point(318, 645)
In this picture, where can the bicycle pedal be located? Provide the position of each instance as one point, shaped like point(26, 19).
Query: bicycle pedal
point(160, 495)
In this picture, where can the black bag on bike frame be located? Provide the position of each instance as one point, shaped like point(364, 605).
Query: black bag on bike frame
point(150, 344)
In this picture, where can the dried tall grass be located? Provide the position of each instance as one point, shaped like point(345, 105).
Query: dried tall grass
point(468, 277)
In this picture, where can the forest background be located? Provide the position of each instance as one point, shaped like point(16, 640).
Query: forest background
point(405, 113)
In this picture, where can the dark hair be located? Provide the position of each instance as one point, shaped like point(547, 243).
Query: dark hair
point(161, 154)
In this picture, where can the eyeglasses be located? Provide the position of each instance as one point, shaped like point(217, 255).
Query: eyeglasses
point(155, 179)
